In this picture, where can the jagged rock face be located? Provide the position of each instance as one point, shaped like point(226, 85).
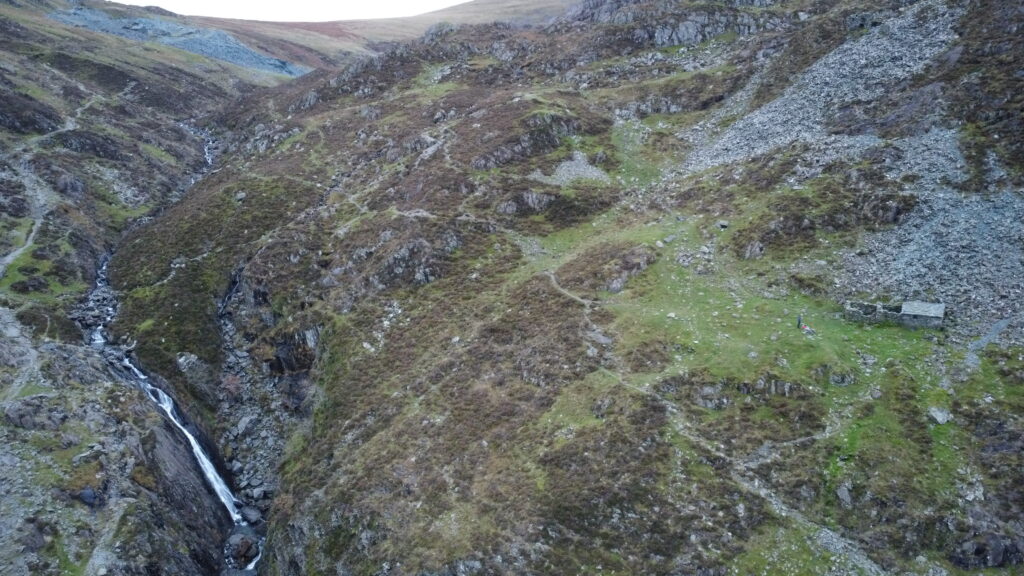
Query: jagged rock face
point(626, 11)
point(88, 463)
point(670, 23)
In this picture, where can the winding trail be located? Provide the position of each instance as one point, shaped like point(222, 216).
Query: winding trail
point(741, 473)
point(973, 361)
point(554, 283)
point(742, 468)
point(41, 195)
point(19, 346)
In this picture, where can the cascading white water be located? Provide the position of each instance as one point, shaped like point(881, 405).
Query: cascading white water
point(209, 471)
point(166, 404)
point(98, 339)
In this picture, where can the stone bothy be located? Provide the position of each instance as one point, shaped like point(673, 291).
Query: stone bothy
point(913, 314)
point(922, 314)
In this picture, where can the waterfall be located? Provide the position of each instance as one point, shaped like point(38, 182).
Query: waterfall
point(103, 299)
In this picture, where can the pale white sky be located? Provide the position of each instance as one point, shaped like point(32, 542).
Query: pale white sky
point(298, 10)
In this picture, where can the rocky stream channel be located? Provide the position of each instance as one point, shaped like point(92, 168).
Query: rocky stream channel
point(243, 546)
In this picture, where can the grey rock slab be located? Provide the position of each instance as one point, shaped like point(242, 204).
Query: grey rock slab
point(251, 514)
point(940, 415)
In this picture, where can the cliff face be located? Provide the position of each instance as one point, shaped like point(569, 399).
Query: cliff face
point(568, 299)
point(92, 477)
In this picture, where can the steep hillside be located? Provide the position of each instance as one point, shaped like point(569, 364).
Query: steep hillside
point(507, 301)
point(96, 134)
point(617, 293)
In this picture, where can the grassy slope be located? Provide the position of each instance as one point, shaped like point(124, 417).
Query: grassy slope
point(484, 416)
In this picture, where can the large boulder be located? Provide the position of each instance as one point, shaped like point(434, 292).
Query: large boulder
point(33, 413)
point(243, 545)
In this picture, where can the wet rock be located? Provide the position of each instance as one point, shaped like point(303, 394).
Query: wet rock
point(242, 545)
point(186, 491)
point(251, 514)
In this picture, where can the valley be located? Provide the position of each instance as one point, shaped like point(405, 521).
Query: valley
point(567, 294)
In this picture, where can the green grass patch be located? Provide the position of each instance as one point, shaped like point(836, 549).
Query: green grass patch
point(159, 154)
point(782, 550)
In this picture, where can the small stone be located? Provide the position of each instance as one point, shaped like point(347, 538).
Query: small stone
point(243, 544)
point(843, 493)
point(940, 415)
point(89, 497)
point(243, 424)
point(841, 380)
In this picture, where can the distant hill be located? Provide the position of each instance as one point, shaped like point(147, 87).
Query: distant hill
point(326, 44)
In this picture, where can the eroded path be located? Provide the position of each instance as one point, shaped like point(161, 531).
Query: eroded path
point(42, 197)
point(848, 556)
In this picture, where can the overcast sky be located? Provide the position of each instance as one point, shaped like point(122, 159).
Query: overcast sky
point(298, 10)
